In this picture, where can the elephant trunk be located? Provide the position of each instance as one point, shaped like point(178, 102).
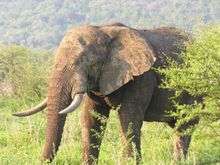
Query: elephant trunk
point(55, 124)
point(58, 99)
point(60, 92)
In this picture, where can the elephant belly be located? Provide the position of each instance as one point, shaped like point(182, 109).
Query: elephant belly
point(159, 107)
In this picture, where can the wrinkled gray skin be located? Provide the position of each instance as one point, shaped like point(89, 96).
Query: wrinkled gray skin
point(112, 65)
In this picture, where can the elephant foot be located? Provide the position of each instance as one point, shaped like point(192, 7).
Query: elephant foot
point(180, 147)
point(90, 161)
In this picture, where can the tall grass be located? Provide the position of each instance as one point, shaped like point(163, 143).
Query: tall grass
point(22, 139)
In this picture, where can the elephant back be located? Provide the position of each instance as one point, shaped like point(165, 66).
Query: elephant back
point(166, 42)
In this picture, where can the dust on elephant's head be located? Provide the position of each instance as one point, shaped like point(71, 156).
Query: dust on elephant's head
point(109, 55)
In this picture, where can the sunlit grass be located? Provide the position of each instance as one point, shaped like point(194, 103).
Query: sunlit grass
point(22, 140)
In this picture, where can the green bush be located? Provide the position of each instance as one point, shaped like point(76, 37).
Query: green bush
point(199, 75)
point(24, 72)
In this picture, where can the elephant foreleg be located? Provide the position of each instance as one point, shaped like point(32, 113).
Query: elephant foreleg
point(93, 129)
point(131, 122)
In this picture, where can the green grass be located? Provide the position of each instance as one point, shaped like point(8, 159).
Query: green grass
point(22, 140)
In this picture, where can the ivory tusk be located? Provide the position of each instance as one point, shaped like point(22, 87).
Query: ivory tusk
point(33, 110)
point(75, 103)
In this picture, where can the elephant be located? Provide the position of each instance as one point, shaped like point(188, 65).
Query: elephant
point(108, 66)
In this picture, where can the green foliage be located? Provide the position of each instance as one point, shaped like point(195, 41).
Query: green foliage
point(24, 72)
point(22, 139)
point(199, 75)
point(42, 24)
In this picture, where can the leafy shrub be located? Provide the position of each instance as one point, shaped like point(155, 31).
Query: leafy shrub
point(199, 75)
point(23, 72)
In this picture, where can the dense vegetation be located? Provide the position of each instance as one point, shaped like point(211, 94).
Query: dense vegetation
point(24, 73)
point(199, 75)
point(41, 24)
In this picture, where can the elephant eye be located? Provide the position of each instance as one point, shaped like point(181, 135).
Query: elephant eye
point(82, 41)
point(89, 78)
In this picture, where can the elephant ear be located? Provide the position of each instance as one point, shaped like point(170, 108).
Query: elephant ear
point(128, 55)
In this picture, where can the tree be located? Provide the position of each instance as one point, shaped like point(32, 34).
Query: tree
point(199, 75)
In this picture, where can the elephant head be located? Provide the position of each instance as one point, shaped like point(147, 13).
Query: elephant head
point(90, 58)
